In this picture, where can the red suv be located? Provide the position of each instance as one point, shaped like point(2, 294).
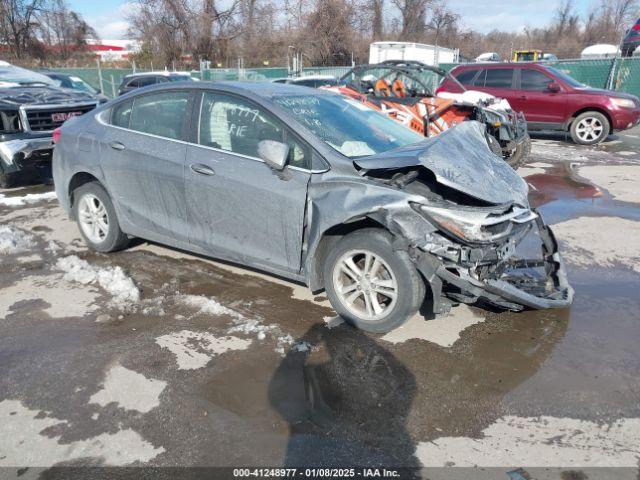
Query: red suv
point(550, 99)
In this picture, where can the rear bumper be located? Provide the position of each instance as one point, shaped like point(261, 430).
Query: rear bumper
point(507, 291)
point(23, 154)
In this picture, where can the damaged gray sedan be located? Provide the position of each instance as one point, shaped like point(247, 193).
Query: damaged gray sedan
point(316, 188)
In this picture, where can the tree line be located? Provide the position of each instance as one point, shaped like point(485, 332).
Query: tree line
point(321, 32)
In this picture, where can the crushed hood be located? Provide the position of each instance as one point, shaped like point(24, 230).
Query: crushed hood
point(16, 96)
point(459, 158)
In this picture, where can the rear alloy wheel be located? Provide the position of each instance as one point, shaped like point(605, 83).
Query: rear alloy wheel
point(97, 219)
point(590, 128)
point(373, 286)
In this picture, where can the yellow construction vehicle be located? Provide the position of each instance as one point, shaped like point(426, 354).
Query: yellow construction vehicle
point(527, 55)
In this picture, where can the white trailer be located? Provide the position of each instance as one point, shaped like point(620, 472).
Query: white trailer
point(429, 54)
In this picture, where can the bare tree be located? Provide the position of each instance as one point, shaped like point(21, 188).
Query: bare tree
point(17, 24)
point(414, 15)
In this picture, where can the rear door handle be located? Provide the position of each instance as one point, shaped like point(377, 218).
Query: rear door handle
point(116, 146)
point(522, 97)
point(202, 169)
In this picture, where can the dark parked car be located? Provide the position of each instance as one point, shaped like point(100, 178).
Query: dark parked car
point(552, 100)
point(137, 80)
point(313, 81)
point(314, 187)
point(31, 108)
point(75, 83)
point(631, 40)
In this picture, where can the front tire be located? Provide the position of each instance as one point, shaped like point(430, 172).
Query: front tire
point(372, 286)
point(97, 219)
point(520, 154)
point(589, 128)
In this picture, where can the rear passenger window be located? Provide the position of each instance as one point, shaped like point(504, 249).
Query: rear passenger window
point(236, 125)
point(466, 76)
point(534, 80)
point(498, 78)
point(161, 114)
point(122, 114)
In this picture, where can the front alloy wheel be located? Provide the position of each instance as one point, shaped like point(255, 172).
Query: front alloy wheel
point(372, 285)
point(366, 284)
point(590, 128)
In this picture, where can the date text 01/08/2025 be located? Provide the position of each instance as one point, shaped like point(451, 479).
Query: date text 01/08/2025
point(316, 472)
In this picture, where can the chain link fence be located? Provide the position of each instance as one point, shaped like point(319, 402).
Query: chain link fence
point(621, 74)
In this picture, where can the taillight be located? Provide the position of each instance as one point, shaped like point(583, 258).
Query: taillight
point(56, 135)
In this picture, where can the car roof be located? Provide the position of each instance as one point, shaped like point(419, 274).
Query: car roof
point(265, 90)
point(499, 65)
point(162, 73)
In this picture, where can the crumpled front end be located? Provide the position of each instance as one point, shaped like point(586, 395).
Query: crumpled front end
point(25, 153)
point(469, 228)
point(517, 267)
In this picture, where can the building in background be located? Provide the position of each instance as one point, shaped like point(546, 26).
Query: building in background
point(429, 54)
point(113, 50)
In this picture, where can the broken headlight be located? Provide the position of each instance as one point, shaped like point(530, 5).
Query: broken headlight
point(478, 225)
point(9, 121)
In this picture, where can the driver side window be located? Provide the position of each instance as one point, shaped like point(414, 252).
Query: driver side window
point(237, 125)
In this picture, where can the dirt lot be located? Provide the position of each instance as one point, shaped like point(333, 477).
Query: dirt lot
point(156, 357)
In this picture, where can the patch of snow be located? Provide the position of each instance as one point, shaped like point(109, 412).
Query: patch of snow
point(23, 443)
point(539, 442)
point(14, 240)
point(111, 279)
point(207, 305)
point(26, 199)
point(443, 330)
point(51, 291)
point(129, 389)
point(620, 180)
point(603, 241)
point(195, 349)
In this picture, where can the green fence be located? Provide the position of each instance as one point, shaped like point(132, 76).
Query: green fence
point(622, 74)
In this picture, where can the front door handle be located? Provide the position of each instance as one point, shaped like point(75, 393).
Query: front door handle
point(202, 169)
point(522, 97)
point(116, 146)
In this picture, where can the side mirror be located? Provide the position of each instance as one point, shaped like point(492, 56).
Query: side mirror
point(274, 153)
point(553, 87)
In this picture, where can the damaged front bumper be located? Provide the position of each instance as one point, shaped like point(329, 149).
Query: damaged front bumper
point(22, 154)
point(495, 275)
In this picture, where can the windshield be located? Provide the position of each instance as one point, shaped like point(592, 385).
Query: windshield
point(179, 78)
point(79, 84)
point(348, 126)
point(22, 76)
point(566, 78)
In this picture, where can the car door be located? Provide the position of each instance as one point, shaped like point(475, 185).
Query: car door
point(142, 157)
point(539, 104)
point(238, 207)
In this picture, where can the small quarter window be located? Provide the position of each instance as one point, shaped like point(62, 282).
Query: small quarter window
point(122, 114)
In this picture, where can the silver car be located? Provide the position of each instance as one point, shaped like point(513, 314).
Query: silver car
point(311, 186)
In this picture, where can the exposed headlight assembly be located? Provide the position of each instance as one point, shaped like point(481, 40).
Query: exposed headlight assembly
point(477, 225)
point(623, 102)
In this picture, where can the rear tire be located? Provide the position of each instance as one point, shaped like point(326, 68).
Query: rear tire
point(589, 128)
point(372, 286)
point(97, 219)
